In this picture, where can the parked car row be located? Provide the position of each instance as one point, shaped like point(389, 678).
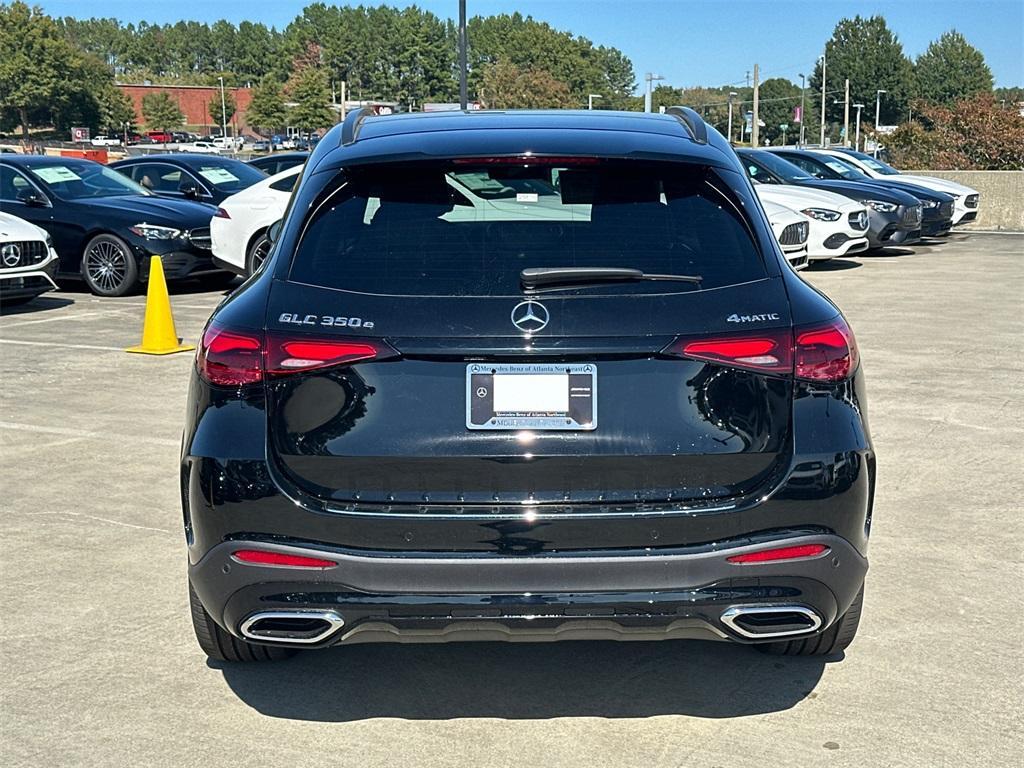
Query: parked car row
point(210, 217)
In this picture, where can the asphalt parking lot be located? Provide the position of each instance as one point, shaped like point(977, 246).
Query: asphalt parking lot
point(100, 668)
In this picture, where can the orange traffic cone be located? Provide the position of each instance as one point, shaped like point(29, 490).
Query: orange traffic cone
point(158, 334)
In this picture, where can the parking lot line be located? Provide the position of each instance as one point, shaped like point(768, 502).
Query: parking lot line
point(58, 344)
point(86, 434)
point(57, 318)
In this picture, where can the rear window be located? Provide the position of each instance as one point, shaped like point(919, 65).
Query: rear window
point(461, 229)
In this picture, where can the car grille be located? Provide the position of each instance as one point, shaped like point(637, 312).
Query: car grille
point(912, 215)
point(859, 220)
point(22, 253)
point(794, 234)
point(946, 209)
point(971, 201)
point(200, 238)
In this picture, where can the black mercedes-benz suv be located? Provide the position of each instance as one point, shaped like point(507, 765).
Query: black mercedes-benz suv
point(525, 376)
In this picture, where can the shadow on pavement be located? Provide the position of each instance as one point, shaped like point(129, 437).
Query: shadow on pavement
point(517, 681)
point(38, 304)
point(833, 265)
point(885, 253)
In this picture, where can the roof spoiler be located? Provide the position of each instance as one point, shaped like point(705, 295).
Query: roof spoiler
point(353, 122)
point(694, 123)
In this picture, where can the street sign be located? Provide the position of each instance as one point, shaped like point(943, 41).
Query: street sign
point(79, 134)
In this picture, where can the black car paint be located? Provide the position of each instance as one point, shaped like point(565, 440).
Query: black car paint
point(810, 475)
point(936, 220)
point(72, 223)
point(187, 163)
point(277, 162)
point(884, 228)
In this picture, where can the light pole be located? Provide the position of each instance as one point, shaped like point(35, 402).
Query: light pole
point(223, 111)
point(125, 125)
point(728, 133)
point(590, 99)
point(463, 86)
point(856, 141)
point(649, 78)
point(784, 127)
point(803, 112)
point(878, 107)
point(823, 65)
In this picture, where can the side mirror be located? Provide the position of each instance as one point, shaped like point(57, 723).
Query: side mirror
point(31, 198)
point(189, 190)
point(275, 230)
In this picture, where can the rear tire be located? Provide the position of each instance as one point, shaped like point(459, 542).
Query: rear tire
point(223, 646)
point(833, 640)
point(258, 252)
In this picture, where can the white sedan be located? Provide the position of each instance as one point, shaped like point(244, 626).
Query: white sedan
point(838, 225)
point(965, 205)
point(27, 260)
point(239, 228)
point(790, 230)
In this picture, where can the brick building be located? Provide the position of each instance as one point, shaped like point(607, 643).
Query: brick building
point(194, 102)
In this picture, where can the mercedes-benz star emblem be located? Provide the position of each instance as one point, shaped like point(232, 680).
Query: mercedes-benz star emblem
point(530, 316)
point(11, 254)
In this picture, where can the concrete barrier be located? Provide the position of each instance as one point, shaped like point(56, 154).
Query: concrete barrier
point(1002, 197)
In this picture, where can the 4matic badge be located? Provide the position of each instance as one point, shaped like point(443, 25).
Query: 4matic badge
point(762, 318)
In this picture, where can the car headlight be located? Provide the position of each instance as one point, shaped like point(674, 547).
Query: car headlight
point(155, 232)
point(881, 206)
point(929, 203)
point(821, 214)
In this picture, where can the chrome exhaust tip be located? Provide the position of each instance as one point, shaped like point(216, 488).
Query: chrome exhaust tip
point(764, 621)
point(302, 627)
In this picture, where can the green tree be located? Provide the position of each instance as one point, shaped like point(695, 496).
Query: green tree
point(229, 107)
point(951, 70)
point(974, 134)
point(35, 61)
point(866, 52)
point(267, 110)
point(506, 86)
point(115, 109)
point(161, 112)
point(778, 96)
point(310, 96)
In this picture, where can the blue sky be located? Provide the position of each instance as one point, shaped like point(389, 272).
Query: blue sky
point(690, 42)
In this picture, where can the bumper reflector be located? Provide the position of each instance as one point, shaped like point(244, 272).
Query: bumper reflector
point(262, 557)
point(782, 553)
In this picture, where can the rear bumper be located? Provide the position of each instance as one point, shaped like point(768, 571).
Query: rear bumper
point(628, 596)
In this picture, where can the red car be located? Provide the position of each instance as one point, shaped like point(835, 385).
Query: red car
point(160, 137)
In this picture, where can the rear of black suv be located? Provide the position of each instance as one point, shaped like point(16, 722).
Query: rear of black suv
point(525, 376)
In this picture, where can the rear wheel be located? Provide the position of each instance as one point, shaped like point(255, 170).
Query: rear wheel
point(834, 639)
point(258, 252)
point(223, 646)
point(108, 266)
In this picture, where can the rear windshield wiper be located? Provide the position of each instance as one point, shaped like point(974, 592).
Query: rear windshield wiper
point(536, 277)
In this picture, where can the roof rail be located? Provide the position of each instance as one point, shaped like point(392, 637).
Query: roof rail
point(353, 122)
point(694, 123)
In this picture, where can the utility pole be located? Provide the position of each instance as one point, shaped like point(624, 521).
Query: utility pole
point(463, 85)
point(846, 115)
point(650, 77)
point(728, 133)
point(824, 63)
point(878, 107)
point(754, 132)
point(856, 141)
point(803, 112)
point(223, 111)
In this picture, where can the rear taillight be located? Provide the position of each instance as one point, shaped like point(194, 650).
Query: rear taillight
point(825, 353)
point(232, 358)
point(770, 352)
